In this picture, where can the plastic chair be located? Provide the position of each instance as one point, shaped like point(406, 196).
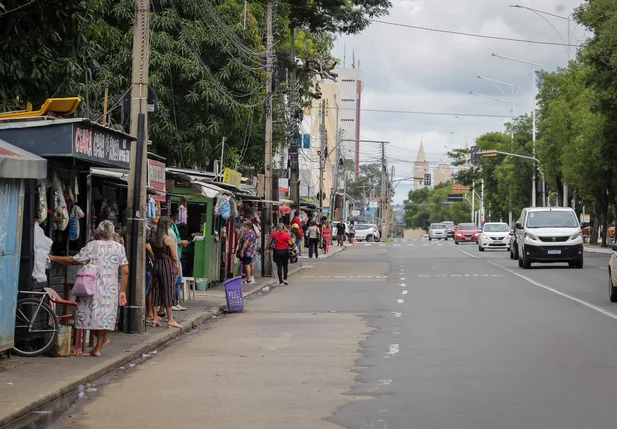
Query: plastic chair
point(188, 288)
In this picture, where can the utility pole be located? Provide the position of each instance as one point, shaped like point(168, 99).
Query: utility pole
point(384, 178)
point(222, 155)
point(294, 116)
point(266, 214)
point(138, 171)
point(322, 158)
point(473, 202)
point(482, 205)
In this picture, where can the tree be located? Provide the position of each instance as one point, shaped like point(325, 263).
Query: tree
point(369, 181)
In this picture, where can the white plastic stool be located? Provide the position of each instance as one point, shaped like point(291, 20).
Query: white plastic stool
point(188, 288)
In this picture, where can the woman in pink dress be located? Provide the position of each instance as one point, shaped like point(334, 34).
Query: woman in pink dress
point(326, 233)
point(98, 312)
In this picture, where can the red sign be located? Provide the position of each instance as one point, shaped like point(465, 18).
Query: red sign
point(156, 178)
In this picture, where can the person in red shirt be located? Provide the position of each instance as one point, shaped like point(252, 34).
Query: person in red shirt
point(298, 232)
point(282, 242)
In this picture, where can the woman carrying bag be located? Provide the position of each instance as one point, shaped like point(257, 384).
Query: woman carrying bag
point(281, 242)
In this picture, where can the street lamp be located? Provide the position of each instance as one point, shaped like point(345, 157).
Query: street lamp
point(490, 98)
point(532, 80)
point(498, 84)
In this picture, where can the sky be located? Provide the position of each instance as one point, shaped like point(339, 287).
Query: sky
point(416, 70)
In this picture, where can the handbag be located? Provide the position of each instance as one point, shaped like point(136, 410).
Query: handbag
point(85, 282)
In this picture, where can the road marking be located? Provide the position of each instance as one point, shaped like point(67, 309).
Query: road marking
point(402, 278)
point(400, 301)
point(402, 285)
point(397, 314)
point(557, 292)
point(467, 253)
point(404, 292)
point(392, 350)
point(425, 244)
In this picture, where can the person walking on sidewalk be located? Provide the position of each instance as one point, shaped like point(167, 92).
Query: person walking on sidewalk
point(326, 233)
point(313, 236)
point(282, 243)
point(351, 232)
point(98, 312)
point(298, 231)
point(340, 233)
point(247, 250)
point(162, 285)
point(174, 233)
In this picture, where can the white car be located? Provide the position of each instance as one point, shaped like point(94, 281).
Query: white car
point(549, 234)
point(367, 231)
point(494, 235)
point(437, 231)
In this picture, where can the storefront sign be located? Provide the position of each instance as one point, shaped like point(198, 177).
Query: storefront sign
point(100, 146)
point(156, 177)
point(232, 177)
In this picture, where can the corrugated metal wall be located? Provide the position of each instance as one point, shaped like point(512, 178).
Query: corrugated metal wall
point(11, 221)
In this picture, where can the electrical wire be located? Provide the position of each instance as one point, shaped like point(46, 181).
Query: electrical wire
point(6, 12)
point(414, 112)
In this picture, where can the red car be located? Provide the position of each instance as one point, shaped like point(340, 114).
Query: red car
point(466, 233)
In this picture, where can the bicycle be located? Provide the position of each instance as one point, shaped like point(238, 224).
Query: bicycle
point(36, 325)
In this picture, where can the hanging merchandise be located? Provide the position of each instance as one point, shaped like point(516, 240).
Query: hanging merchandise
point(41, 204)
point(76, 188)
point(158, 212)
point(61, 211)
point(68, 196)
point(42, 247)
point(109, 211)
point(234, 208)
point(76, 214)
point(218, 208)
point(225, 210)
point(151, 208)
point(182, 212)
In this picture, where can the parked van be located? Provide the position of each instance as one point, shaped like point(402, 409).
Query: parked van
point(549, 234)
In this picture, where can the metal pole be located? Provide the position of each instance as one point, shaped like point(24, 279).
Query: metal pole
point(533, 100)
point(136, 199)
point(482, 205)
point(294, 166)
point(266, 266)
point(473, 203)
point(222, 155)
point(322, 158)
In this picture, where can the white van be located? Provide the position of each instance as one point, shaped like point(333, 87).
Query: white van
point(549, 234)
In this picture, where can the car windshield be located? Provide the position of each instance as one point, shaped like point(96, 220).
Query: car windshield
point(467, 226)
point(552, 219)
point(362, 227)
point(438, 226)
point(449, 224)
point(496, 227)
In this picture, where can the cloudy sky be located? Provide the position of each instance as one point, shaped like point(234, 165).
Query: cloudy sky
point(415, 70)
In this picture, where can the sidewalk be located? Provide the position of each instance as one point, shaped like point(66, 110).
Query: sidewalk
point(595, 248)
point(26, 384)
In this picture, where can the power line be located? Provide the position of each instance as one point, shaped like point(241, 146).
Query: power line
point(481, 36)
point(6, 12)
point(413, 112)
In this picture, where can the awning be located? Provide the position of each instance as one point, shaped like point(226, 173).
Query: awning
point(211, 191)
point(121, 175)
point(16, 163)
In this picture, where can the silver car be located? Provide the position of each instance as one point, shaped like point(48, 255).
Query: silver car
point(437, 231)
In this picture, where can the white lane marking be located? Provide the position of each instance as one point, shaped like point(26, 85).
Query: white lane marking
point(602, 268)
point(557, 292)
point(411, 245)
point(439, 244)
point(400, 301)
point(402, 278)
point(367, 244)
point(467, 253)
point(425, 244)
point(404, 239)
point(397, 314)
point(404, 292)
point(402, 285)
point(386, 382)
point(392, 350)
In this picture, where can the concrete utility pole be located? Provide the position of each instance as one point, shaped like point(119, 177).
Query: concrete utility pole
point(139, 169)
point(323, 137)
point(266, 214)
point(294, 117)
point(384, 178)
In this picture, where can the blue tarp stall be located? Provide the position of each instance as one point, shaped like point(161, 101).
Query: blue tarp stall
point(16, 166)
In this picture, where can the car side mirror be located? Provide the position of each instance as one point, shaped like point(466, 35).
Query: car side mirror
point(518, 225)
point(614, 247)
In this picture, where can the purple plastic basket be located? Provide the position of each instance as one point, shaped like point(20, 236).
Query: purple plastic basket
point(233, 293)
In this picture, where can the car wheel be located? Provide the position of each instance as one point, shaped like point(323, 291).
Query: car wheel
point(369, 238)
point(430, 239)
point(481, 249)
point(456, 242)
point(526, 263)
point(520, 262)
point(612, 290)
point(579, 263)
point(446, 238)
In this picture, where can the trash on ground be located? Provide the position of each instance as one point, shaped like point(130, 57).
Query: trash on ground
point(266, 289)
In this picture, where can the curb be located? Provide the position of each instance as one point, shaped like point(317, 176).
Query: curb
point(133, 354)
point(606, 251)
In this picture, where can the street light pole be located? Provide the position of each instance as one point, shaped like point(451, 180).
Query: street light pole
point(533, 98)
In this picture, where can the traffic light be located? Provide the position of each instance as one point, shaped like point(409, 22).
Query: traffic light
point(475, 155)
point(427, 179)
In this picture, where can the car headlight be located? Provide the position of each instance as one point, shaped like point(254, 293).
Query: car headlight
point(577, 235)
point(531, 236)
point(485, 237)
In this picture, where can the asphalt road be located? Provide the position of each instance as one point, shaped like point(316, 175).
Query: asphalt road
point(409, 334)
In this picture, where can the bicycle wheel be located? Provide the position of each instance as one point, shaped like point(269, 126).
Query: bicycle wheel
point(36, 327)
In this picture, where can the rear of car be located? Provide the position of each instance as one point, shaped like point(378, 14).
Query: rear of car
point(450, 226)
point(367, 232)
point(466, 233)
point(549, 235)
point(495, 235)
point(437, 231)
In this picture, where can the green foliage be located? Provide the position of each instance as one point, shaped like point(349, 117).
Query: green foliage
point(425, 206)
point(369, 181)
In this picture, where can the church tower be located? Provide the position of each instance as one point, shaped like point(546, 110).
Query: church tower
point(420, 168)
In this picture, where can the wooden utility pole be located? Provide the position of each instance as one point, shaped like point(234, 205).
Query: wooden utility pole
point(295, 115)
point(138, 170)
point(266, 215)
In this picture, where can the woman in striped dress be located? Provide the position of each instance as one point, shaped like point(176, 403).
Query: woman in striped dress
point(163, 249)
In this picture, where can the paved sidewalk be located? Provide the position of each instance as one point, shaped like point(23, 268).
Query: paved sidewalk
point(597, 249)
point(26, 384)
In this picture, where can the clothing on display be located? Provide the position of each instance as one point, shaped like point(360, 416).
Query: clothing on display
point(41, 204)
point(182, 212)
point(60, 217)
